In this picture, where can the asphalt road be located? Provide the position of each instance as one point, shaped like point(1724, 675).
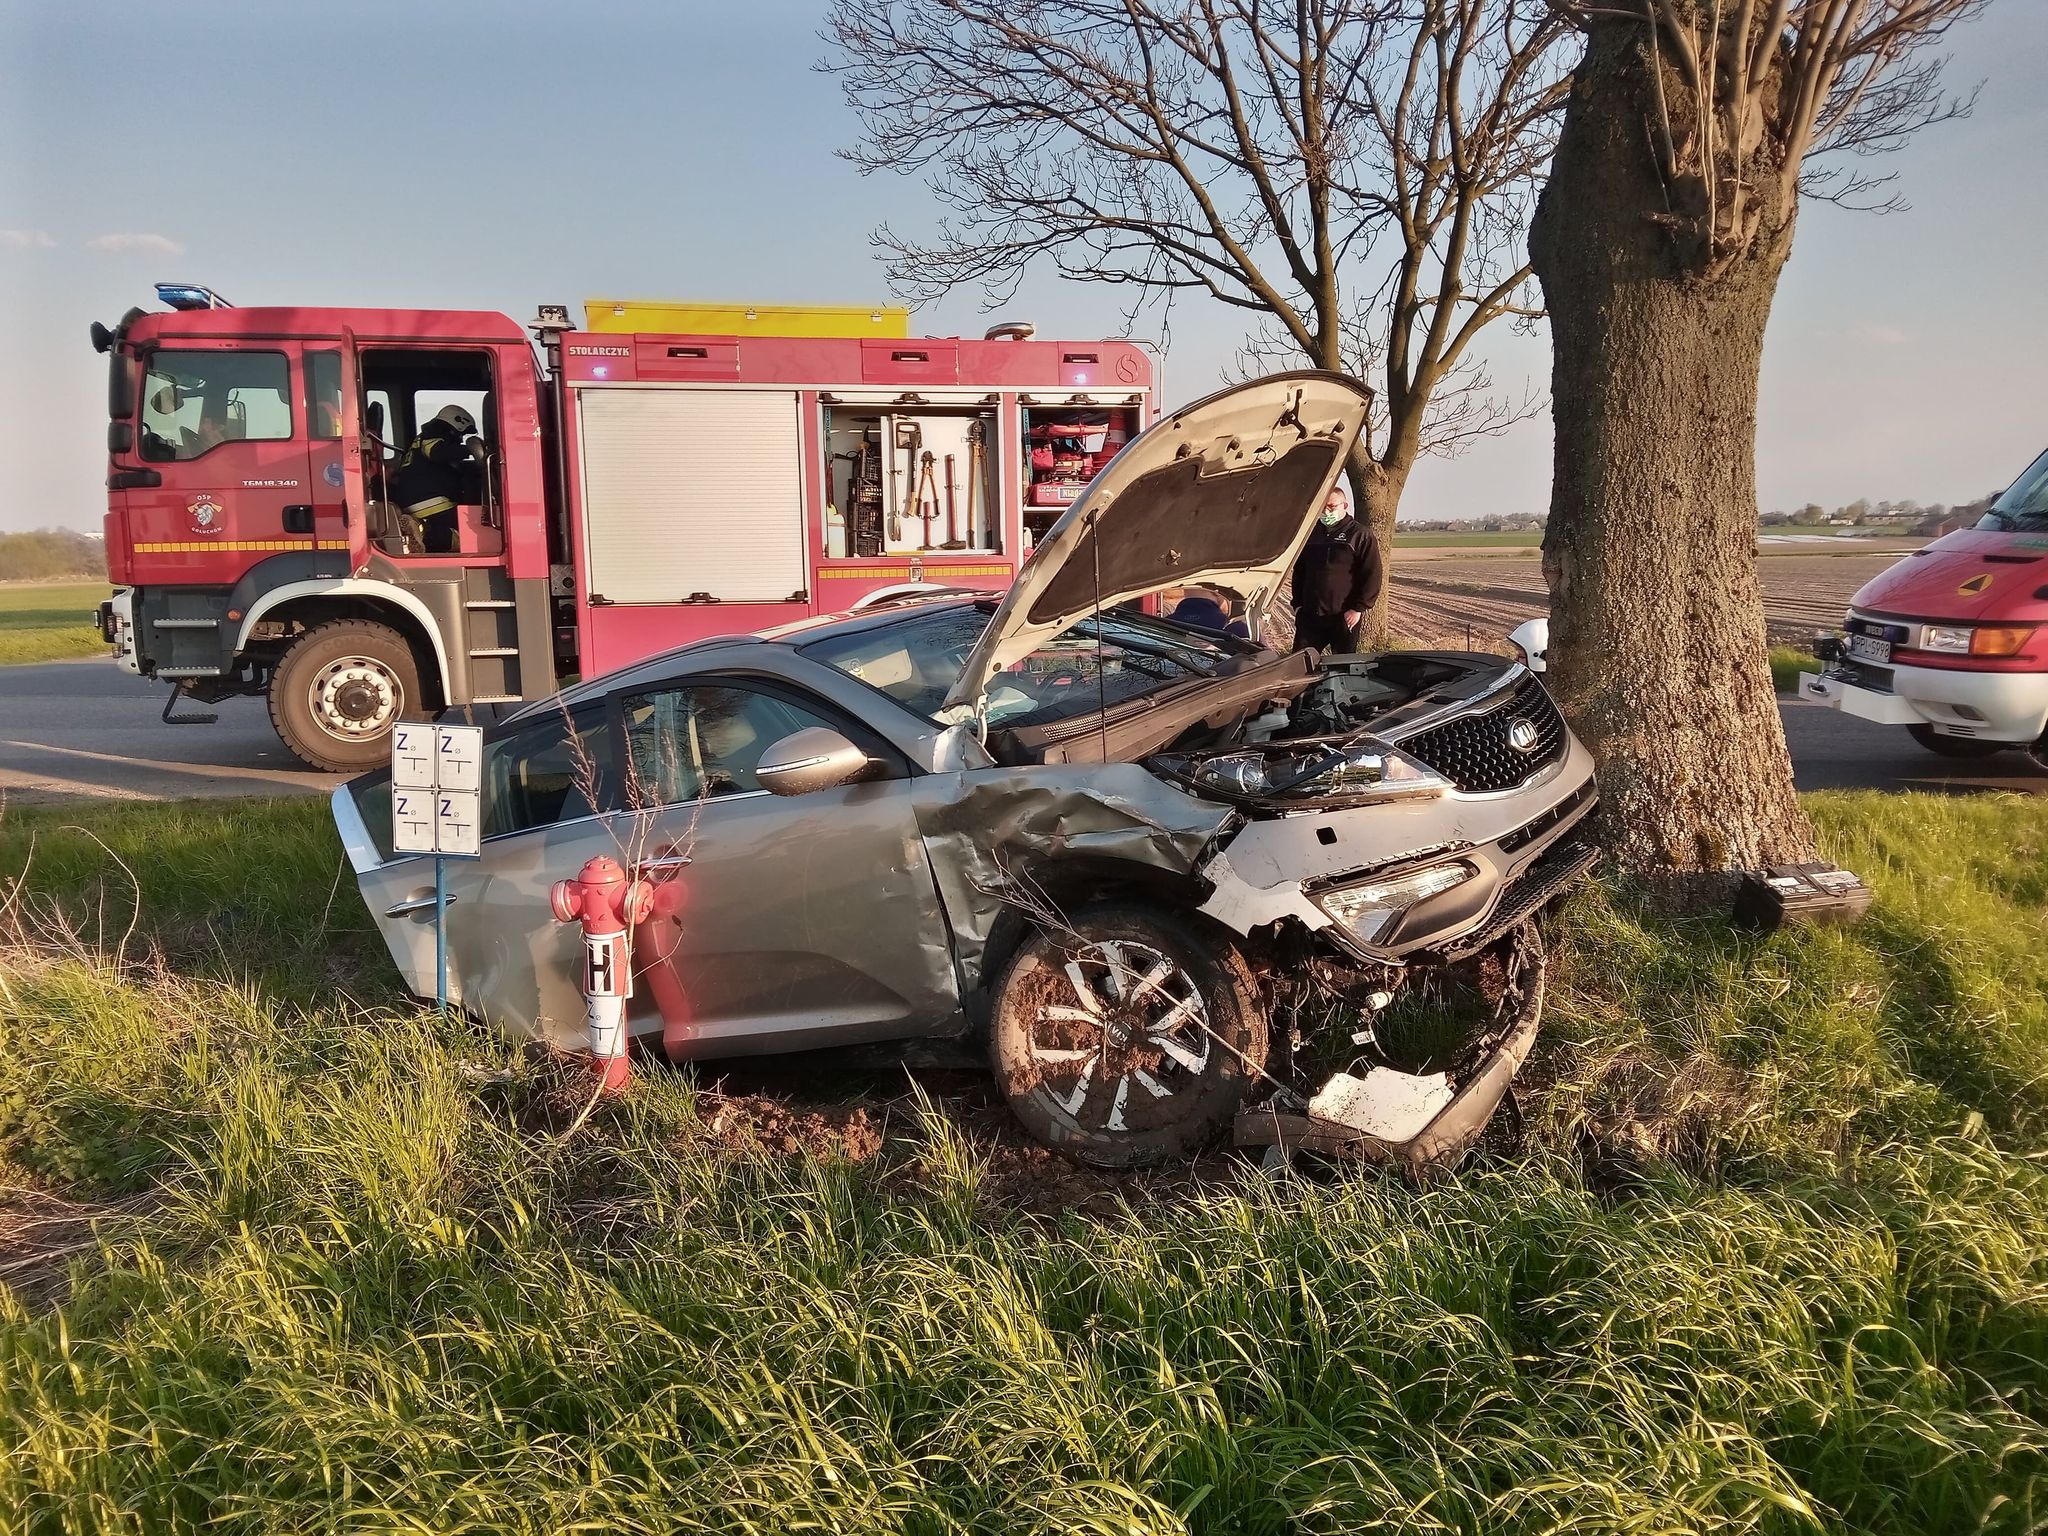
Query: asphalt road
point(1831, 750)
point(73, 728)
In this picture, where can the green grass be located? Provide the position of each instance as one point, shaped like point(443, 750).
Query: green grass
point(1768, 1258)
point(1527, 539)
point(49, 621)
point(1787, 662)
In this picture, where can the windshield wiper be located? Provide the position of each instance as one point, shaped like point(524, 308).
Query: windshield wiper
point(1192, 661)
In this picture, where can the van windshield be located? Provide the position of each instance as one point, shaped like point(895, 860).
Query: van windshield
point(2024, 506)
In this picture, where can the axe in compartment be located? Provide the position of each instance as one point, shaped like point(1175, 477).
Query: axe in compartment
point(953, 539)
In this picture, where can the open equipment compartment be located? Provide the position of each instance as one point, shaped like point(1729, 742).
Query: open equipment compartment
point(910, 479)
point(1064, 447)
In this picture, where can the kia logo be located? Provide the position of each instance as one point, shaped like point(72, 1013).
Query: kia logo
point(1522, 735)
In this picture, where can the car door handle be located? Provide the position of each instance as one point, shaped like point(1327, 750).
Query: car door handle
point(414, 904)
point(666, 861)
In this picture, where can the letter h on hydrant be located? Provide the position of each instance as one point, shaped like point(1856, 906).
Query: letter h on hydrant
point(608, 905)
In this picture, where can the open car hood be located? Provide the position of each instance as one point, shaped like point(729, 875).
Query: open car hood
point(1221, 493)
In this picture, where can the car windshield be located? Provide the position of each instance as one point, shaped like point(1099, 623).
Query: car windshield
point(917, 660)
point(2024, 506)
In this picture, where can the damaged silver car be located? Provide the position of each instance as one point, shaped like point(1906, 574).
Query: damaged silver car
point(1171, 876)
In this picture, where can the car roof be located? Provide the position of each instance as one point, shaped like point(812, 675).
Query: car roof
point(705, 655)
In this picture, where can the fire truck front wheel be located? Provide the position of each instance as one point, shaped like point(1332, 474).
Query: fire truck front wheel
point(339, 690)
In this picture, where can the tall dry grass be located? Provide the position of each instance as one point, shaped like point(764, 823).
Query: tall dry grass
point(1770, 1257)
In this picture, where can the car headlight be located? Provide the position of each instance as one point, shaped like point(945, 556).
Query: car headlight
point(1361, 771)
point(1946, 637)
point(1367, 911)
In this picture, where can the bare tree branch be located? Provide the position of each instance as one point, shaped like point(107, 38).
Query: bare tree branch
point(1754, 98)
point(1359, 174)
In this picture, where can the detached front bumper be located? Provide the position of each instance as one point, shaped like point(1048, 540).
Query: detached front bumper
point(1414, 1119)
point(1976, 706)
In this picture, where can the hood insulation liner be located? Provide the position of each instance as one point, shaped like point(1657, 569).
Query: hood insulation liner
point(1174, 517)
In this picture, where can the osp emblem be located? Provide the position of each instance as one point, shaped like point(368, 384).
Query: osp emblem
point(205, 515)
point(1522, 735)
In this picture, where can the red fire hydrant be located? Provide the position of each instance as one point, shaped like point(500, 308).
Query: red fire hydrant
point(608, 905)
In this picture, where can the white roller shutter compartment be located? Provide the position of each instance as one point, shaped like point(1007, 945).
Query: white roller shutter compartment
point(692, 491)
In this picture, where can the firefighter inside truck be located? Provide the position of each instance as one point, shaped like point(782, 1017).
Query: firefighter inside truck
point(405, 389)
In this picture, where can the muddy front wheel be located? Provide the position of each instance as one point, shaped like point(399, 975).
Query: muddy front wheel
point(339, 690)
point(1128, 1038)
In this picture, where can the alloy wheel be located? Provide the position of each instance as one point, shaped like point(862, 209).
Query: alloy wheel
point(1119, 1033)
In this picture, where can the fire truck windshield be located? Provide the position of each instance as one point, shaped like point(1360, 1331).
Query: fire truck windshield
point(192, 402)
point(2024, 506)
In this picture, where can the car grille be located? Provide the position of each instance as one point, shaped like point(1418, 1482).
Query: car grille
point(1474, 751)
point(1558, 868)
point(1567, 809)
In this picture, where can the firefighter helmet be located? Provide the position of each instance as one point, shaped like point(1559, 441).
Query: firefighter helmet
point(456, 417)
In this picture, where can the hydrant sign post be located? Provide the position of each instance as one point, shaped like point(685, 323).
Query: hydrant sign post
point(609, 904)
point(436, 807)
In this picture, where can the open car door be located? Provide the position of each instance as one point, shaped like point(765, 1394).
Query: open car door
point(355, 527)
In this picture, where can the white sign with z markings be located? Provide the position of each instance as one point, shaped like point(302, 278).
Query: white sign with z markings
point(436, 789)
point(412, 756)
point(459, 757)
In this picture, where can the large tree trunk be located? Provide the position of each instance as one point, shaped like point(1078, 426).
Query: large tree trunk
point(1376, 493)
point(1657, 628)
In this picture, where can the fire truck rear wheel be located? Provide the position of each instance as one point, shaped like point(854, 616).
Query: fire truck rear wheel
point(339, 690)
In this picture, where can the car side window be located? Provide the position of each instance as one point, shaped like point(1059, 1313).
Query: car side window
point(551, 771)
point(193, 402)
point(702, 741)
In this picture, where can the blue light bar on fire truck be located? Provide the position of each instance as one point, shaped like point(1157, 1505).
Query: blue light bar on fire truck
point(190, 296)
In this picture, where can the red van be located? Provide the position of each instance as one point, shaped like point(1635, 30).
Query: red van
point(1952, 642)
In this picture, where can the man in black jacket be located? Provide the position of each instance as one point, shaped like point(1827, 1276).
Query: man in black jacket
point(435, 473)
point(1337, 577)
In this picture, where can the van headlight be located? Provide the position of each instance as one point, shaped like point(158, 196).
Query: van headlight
point(1369, 910)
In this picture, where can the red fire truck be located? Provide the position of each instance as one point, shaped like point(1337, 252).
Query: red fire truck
point(635, 488)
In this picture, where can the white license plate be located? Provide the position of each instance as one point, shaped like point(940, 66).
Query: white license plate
point(1869, 648)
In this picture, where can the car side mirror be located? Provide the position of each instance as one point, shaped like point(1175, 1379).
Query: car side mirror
point(816, 757)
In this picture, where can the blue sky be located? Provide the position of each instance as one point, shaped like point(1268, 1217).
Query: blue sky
point(501, 155)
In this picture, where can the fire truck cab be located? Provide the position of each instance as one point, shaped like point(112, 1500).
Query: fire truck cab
point(664, 474)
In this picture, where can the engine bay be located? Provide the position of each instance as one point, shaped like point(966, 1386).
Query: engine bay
point(1383, 692)
point(1257, 699)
